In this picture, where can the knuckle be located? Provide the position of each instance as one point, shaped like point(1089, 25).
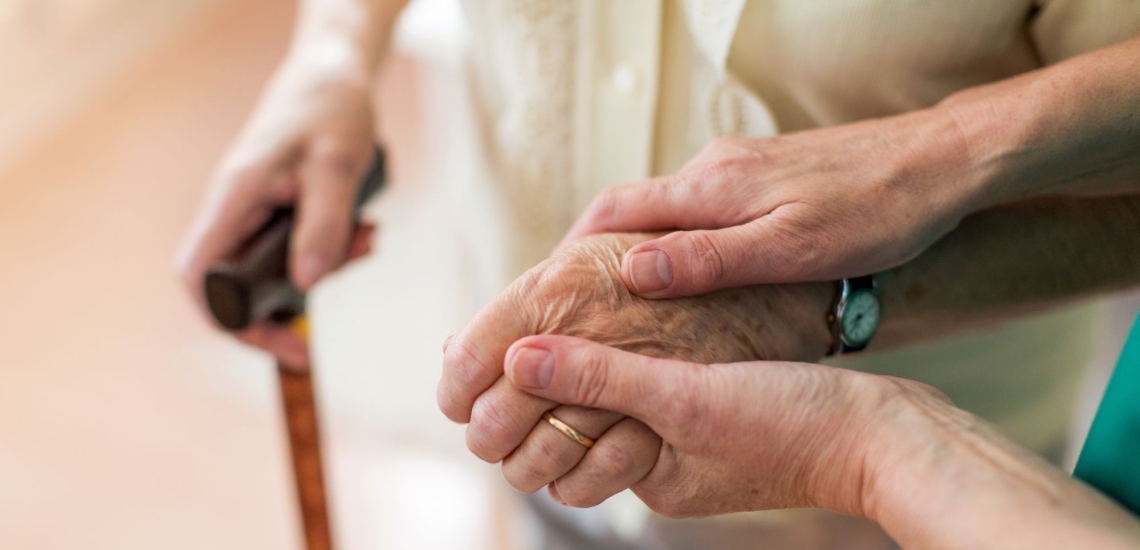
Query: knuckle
point(520, 477)
point(684, 188)
point(672, 499)
point(488, 431)
point(535, 467)
point(576, 496)
point(614, 461)
point(662, 503)
point(682, 413)
point(727, 142)
point(325, 229)
point(449, 404)
point(796, 251)
point(602, 208)
point(718, 148)
point(337, 158)
point(593, 380)
point(520, 481)
point(708, 260)
point(461, 366)
point(692, 190)
point(532, 284)
point(732, 170)
point(671, 508)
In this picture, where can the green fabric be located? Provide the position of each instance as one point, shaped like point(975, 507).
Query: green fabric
point(1110, 459)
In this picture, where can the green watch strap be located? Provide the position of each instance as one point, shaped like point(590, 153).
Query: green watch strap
point(1110, 459)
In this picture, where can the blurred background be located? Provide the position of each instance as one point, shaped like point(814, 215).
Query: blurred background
point(126, 422)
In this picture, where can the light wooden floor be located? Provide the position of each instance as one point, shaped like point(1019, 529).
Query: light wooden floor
point(126, 423)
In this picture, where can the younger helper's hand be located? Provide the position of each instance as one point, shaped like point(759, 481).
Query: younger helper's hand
point(307, 145)
point(736, 436)
point(811, 206)
point(764, 435)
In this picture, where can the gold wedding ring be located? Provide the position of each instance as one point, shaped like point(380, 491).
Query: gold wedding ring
point(566, 429)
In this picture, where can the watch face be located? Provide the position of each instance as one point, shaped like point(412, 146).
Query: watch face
point(860, 316)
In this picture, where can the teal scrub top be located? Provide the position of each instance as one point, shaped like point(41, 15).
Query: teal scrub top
point(1110, 459)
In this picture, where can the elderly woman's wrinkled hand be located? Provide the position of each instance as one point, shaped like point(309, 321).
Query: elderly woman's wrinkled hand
point(308, 145)
point(579, 292)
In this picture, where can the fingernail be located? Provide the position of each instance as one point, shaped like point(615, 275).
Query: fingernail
point(650, 271)
point(313, 267)
point(533, 368)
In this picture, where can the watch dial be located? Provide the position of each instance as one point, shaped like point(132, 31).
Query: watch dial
point(861, 317)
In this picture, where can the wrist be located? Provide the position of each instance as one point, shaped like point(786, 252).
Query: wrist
point(1065, 129)
point(920, 476)
point(898, 460)
point(1024, 135)
point(857, 471)
point(815, 329)
point(938, 477)
point(944, 154)
point(330, 61)
point(344, 37)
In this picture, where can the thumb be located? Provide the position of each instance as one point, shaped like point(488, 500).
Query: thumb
point(690, 263)
point(573, 371)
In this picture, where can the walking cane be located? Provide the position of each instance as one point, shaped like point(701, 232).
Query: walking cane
point(251, 286)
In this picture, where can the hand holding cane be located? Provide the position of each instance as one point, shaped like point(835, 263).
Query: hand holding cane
point(252, 285)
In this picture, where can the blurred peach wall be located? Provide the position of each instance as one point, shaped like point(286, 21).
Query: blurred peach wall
point(126, 422)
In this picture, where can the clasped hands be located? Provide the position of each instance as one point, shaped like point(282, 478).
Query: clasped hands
point(579, 296)
point(706, 405)
point(755, 217)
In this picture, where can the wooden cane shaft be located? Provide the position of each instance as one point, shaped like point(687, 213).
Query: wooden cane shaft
point(304, 442)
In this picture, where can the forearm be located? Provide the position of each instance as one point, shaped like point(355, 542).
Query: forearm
point(1010, 262)
point(1072, 128)
point(941, 478)
point(339, 34)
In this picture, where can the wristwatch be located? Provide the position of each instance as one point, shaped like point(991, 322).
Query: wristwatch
point(856, 315)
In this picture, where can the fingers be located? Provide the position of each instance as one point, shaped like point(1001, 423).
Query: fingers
point(473, 357)
point(243, 199)
point(281, 341)
point(234, 208)
point(501, 418)
point(330, 179)
point(361, 243)
point(670, 202)
point(547, 454)
point(691, 263)
point(641, 206)
point(289, 348)
point(624, 455)
point(579, 372)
